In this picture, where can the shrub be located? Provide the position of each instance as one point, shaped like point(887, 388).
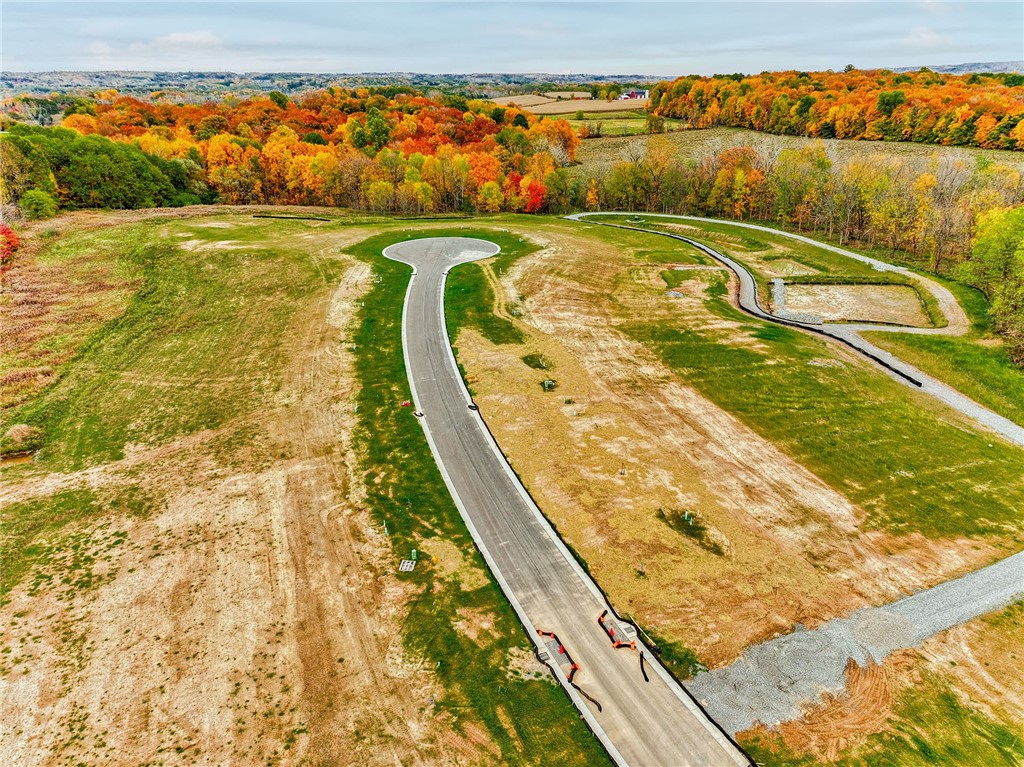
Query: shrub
point(182, 199)
point(9, 243)
point(36, 204)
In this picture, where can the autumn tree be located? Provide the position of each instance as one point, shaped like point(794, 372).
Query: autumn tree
point(997, 268)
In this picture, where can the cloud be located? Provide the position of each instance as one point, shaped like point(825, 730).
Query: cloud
point(180, 42)
point(195, 48)
point(101, 50)
point(925, 37)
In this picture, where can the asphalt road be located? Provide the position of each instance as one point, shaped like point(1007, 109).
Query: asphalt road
point(849, 333)
point(640, 722)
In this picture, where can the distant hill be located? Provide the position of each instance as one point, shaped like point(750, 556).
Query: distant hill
point(966, 69)
point(215, 85)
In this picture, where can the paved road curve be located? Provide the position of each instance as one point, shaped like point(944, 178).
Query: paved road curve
point(639, 722)
point(849, 333)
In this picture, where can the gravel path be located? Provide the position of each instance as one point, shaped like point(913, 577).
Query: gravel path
point(773, 680)
point(849, 333)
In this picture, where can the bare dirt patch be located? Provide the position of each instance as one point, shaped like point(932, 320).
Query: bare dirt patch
point(979, 661)
point(251, 615)
point(843, 722)
point(888, 304)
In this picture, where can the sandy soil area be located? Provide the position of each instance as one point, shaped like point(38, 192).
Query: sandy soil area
point(621, 437)
point(251, 618)
point(889, 304)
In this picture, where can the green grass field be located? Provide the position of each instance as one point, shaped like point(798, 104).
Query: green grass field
point(469, 300)
point(976, 364)
point(197, 346)
point(984, 373)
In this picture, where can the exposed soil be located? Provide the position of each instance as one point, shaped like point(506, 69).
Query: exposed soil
point(250, 617)
point(889, 304)
point(979, 659)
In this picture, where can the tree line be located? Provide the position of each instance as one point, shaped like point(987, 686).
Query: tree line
point(398, 151)
point(389, 150)
point(984, 110)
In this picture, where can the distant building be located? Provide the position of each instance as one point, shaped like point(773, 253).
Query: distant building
point(630, 95)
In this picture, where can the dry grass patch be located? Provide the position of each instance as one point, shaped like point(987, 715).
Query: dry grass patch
point(229, 599)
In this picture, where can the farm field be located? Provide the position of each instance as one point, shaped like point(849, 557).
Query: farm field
point(672, 409)
point(196, 565)
point(616, 123)
point(594, 105)
point(597, 153)
point(545, 105)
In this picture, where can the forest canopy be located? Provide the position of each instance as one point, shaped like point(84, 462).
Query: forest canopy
point(983, 110)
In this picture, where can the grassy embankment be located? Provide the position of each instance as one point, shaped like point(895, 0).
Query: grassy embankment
point(405, 489)
point(976, 363)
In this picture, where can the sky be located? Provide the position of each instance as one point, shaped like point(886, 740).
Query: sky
point(666, 38)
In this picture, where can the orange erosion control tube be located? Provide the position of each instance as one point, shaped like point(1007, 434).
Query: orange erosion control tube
point(616, 643)
point(573, 667)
